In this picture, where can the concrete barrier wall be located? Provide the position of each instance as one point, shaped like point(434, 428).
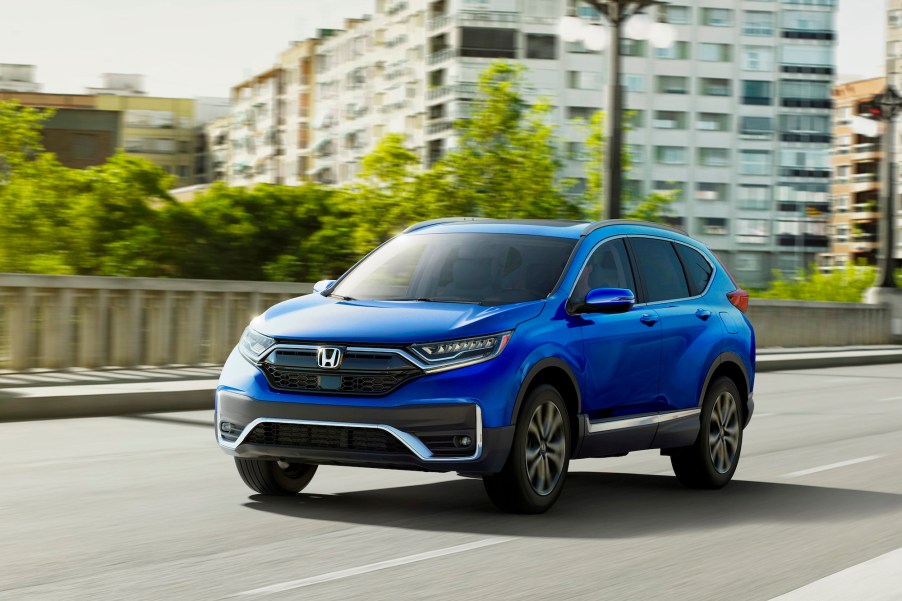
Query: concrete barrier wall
point(79, 321)
point(804, 323)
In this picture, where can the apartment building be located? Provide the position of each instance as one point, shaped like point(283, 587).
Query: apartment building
point(298, 68)
point(734, 116)
point(855, 189)
point(894, 76)
point(255, 145)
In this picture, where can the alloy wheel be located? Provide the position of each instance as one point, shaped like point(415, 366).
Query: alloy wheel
point(723, 432)
point(545, 448)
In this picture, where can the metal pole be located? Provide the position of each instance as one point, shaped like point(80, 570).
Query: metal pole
point(613, 124)
point(885, 276)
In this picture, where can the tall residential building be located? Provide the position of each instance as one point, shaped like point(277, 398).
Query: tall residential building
point(207, 110)
point(734, 115)
point(18, 78)
point(856, 181)
point(218, 148)
point(894, 75)
point(254, 137)
point(296, 105)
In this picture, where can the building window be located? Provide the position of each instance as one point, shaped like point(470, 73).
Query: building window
point(807, 20)
point(541, 46)
point(754, 197)
point(634, 83)
point(756, 92)
point(677, 50)
point(630, 47)
point(581, 112)
point(676, 15)
point(487, 42)
point(674, 189)
point(754, 162)
point(713, 122)
point(711, 86)
point(756, 127)
point(672, 84)
point(721, 53)
point(636, 153)
point(895, 18)
point(582, 80)
point(717, 17)
point(805, 90)
point(807, 56)
point(670, 155)
point(670, 120)
point(752, 231)
point(184, 171)
point(748, 262)
point(711, 191)
point(757, 58)
point(714, 157)
point(756, 22)
point(714, 226)
point(841, 203)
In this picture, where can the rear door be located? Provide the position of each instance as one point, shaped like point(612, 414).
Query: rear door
point(675, 277)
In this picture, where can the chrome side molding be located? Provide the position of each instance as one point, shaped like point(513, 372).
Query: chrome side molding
point(622, 423)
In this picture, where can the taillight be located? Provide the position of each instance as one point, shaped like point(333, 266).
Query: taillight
point(739, 298)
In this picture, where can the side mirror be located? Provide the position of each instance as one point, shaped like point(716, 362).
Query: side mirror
point(322, 286)
point(609, 300)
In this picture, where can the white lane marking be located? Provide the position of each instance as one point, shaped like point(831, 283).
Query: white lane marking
point(892, 398)
point(381, 565)
point(878, 579)
point(831, 466)
point(754, 415)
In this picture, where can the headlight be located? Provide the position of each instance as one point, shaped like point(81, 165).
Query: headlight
point(253, 344)
point(449, 354)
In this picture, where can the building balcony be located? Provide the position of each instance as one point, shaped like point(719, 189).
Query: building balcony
point(439, 92)
point(861, 178)
point(481, 18)
point(441, 56)
point(810, 138)
point(866, 150)
point(440, 22)
point(808, 34)
point(807, 103)
point(808, 69)
point(864, 212)
point(439, 126)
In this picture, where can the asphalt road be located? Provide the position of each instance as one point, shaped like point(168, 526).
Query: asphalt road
point(149, 508)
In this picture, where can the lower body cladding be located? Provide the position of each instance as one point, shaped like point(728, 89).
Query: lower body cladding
point(444, 437)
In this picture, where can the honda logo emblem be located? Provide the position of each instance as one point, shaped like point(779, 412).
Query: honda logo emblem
point(328, 357)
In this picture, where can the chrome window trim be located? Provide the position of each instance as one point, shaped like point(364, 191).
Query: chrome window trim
point(622, 423)
point(414, 444)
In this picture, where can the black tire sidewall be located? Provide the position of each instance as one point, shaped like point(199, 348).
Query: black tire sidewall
point(717, 388)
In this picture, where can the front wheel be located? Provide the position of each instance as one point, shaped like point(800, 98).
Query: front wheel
point(533, 476)
point(269, 477)
point(711, 460)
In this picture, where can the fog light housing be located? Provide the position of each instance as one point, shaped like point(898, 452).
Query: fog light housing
point(225, 427)
point(462, 441)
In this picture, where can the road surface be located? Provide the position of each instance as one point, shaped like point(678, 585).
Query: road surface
point(148, 507)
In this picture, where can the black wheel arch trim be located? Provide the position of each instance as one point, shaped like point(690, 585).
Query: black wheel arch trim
point(727, 357)
point(531, 375)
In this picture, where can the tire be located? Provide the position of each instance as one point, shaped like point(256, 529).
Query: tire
point(275, 477)
point(533, 475)
point(711, 460)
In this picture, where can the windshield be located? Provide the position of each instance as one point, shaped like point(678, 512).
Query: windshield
point(483, 268)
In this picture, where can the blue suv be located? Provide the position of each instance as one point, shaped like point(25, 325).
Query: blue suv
point(502, 349)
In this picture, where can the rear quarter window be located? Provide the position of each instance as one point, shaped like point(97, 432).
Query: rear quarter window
point(660, 269)
point(698, 269)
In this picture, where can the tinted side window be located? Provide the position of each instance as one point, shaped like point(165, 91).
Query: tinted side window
point(697, 268)
point(660, 269)
point(607, 267)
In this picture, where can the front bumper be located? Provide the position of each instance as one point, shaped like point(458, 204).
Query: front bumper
point(422, 436)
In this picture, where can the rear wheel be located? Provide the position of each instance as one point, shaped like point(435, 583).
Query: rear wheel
point(275, 477)
point(711, 460)
point(534, 474)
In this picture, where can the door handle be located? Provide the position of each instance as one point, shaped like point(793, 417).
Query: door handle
point(703, 314)
point(649, 320)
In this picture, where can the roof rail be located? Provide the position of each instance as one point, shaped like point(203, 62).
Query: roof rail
point(600, 224)
point(422, 224)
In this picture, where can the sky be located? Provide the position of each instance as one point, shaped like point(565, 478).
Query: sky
point(189, 48)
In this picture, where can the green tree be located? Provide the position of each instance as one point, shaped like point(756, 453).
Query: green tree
point(845, 284)
point(506, 163)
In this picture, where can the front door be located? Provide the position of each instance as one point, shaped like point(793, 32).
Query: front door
point(623, 351)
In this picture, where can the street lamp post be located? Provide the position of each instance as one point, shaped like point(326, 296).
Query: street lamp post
point(573, 29)
point(887, 105)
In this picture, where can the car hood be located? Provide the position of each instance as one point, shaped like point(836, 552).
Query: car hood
point(316, 318)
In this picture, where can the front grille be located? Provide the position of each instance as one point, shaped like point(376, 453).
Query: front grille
point(362, 371)
point(336, 382)
point(371, 440)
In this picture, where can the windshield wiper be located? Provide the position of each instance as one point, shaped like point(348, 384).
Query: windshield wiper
point(424, 299)
point(339, 296)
